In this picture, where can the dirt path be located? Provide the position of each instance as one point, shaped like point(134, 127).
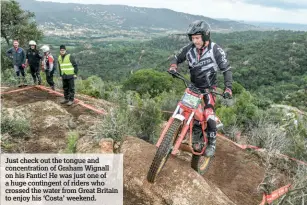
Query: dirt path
point(177, 183)
point(35, 95)
point(43, 139)
point(237, 173)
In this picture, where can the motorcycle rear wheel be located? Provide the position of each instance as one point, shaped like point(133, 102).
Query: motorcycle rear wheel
point(200, 163)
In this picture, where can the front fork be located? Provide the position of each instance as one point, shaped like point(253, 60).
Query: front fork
point(188, 126)
point(169, 122)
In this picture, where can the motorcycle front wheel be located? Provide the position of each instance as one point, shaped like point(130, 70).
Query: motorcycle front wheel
point(164, 150)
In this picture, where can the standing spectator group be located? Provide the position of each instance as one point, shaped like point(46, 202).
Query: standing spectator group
point(45, 61)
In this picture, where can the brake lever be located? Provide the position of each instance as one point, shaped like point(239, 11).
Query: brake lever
point(223, 95)
point(173, 72)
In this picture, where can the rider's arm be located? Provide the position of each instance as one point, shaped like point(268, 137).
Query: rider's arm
point(224, 66)
point(180, 56)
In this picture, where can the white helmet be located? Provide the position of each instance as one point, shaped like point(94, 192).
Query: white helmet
point(32, 43)
point(45, 48)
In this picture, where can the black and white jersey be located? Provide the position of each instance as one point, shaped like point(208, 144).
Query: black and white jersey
point(204, 64)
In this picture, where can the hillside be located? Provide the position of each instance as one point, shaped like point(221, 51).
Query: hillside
point(63, 19)
point(278, 26)
point(229, 181)
point(124, 96)
point(277, 58)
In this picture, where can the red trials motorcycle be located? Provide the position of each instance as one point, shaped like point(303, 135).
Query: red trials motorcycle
point(177, 133)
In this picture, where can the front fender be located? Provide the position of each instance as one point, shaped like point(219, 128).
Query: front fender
point(179, 117)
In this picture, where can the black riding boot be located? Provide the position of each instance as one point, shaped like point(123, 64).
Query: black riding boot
point(210, 150)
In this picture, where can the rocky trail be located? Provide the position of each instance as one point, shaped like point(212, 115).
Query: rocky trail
point(233, 177)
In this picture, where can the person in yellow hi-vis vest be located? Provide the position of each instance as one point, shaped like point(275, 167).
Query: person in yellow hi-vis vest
point(68, 71)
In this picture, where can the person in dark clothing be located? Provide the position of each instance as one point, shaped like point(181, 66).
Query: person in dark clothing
point(33, 58)
point(48, 65)
point(18, 56)
point(205, 58)
point(68, 70)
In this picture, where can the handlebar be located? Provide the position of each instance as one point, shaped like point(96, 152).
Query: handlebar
point(190, 85)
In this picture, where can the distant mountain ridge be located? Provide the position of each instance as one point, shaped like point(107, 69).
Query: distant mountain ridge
point(279, 26)
point(97, 20)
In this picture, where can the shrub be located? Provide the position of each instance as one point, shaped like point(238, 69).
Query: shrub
point(71, 143)
point(14, 125)
point(152, 82)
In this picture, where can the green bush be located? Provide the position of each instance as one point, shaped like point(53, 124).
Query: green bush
point(134, 116)
point(14, 125)
point(8, 77)
point(147, 114)
point(237, 88)
point(168, 101)
point(71, 142)
point(92, 86)
point(117, 124)
point(150, 81)
point(227, 115)
point(298, 136)
point(95, 87)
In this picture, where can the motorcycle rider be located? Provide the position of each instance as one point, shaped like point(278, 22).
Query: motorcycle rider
point(33, 58)
point(205, 58)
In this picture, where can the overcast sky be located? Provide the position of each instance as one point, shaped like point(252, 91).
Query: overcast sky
point(286, 11)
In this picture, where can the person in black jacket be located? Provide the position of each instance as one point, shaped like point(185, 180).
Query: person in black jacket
point(205, 58)
point(33, 58)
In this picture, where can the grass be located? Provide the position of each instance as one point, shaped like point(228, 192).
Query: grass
point(71, 142)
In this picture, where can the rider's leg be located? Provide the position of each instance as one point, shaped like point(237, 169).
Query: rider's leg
point(211, 124)
point(211, 133)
